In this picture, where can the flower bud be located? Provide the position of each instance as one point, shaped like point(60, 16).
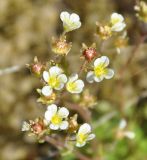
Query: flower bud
point(36, 68)
point(73, 125)
point(60, 46)
point(89, 52)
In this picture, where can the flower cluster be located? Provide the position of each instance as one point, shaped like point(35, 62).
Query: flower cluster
point(115, 25)
point(56, 84)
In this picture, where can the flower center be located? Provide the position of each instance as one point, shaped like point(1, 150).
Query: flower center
point(115, 21)
point(100, 70)
point(53, 82)
point(82, 137)
point(56, 119)
point(71, 86)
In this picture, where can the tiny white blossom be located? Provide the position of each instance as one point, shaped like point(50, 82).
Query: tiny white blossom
point(70, 21)
point(84, 135)
point(100, 70)
point(117, 22)
point(124, 132)
point(57, 117)
point(74, 85)
point(55, 80)
point(25, 126)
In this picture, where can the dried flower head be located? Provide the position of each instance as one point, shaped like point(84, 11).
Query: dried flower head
point(141, 10)
point(104, 32)
point(60, 46)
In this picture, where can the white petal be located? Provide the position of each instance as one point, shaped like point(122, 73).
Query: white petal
point(129, 134)
point(85, 128)
point(51, 111)
point(90, 137)
point(122, 124)
point(62, 78)
point(61, 85)
point(63, 112)
point(64, 125)
point(46, 90)
point(54, 127)
point(73, 77)
point(80, 144)
point(46, 76)
point(64, 16)
point(74, 17)
point(116, 16)
point(55, 71)
point(109, 74)
point(104, 60)
point(118, 27)
point(90, 77)
point(98, 79)
point(80, 86)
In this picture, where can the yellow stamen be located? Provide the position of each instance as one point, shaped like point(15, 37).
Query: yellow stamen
point(100, 70)
point(56, 119)
point(53, 81)
point(81, 137)
point(71, 86)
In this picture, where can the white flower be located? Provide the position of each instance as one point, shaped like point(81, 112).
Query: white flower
point(55, 80)
point(117, 22)
point(74, 85)
point(123, 131)
point(57, 117)
point(25, 126)
point(100, 70)
point(84, 135)
point(70, 21)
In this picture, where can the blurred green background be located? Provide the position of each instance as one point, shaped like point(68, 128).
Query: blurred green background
point(26, 28)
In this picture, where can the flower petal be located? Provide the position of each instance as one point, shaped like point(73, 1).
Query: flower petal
point(90, 137)
point(46, 76)
point(64, 16)
point(118, 27)
point(54, 127)
point(64, 125)
point(74, 17)
point(55, 71)
point(104, 60)
point(63, 112)
point(110, 74)
point(80, 144)
point(73, 77)
point(116, 18)
point(90, 77)
point(98, 79)
point(62, 78)
point(80, 86)
point(51, 110)
point(85, 128)
point(46, 90)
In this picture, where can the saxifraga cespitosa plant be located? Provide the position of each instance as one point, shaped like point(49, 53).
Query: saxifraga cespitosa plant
point(56, 83)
